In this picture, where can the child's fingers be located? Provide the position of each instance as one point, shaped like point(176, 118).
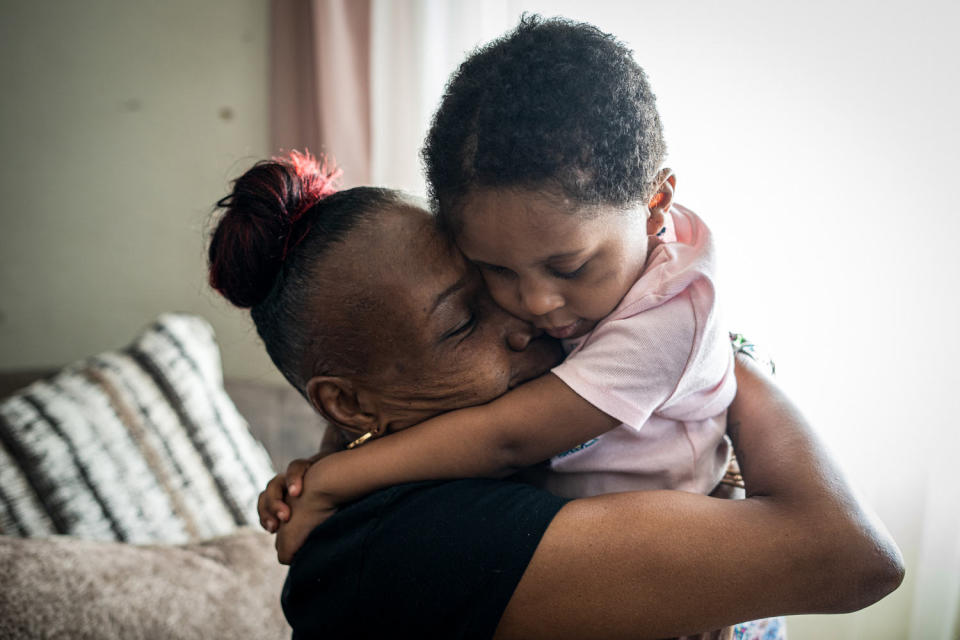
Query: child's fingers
point(294, 475)
point(275, 504)
point(275, 488)
point(270, 504)
point(266, 521)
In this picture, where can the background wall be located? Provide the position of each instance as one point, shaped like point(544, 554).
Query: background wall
point(120, 126)
point(819, 140)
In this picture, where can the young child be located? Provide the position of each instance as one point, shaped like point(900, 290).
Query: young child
point(545, 165)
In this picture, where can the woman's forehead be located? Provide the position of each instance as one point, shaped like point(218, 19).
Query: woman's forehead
point(402, 255)
point(409, 247)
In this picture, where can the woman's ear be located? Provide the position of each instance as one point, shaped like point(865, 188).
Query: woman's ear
point(661, 200)
point(340, 402)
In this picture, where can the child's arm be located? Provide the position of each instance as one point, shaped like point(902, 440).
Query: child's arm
point(539, 419)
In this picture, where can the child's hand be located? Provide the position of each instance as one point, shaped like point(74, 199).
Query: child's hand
point(312, 506)
point(271, 506)
point(309, 510)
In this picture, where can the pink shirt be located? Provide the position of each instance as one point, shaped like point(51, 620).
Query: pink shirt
point(661, 363)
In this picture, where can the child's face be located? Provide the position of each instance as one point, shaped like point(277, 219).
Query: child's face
point(550, 262)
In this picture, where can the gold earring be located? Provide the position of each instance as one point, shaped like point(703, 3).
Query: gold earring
point(359, 441)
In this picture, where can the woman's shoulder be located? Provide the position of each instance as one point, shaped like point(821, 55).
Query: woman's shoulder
point(441, 543)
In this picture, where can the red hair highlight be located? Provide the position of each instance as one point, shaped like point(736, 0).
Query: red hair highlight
point(319, 178)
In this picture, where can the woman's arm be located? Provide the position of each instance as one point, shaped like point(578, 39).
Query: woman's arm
point(662, 564)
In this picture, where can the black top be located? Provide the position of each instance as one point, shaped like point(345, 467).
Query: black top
point(421, 560)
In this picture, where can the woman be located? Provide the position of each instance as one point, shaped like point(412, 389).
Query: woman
point(368, 311)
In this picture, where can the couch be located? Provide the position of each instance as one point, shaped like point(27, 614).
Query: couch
point(128, 485)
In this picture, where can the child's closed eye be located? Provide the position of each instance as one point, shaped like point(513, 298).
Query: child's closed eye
point(568, 274)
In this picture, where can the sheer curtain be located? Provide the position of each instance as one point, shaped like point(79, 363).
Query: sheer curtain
point(320, 81)
point(417, 44)
point(818, 139)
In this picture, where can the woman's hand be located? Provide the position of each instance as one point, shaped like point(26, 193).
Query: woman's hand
point(272, 505)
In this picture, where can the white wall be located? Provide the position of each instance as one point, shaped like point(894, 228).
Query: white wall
point(819, 140)
point(120, 126)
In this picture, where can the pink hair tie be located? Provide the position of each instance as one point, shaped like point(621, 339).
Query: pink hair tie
point(319, 178)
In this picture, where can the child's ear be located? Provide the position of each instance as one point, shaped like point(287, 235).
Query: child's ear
point(661, 200)
point(340, 402)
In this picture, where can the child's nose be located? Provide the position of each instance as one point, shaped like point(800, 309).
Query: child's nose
point(539, 300)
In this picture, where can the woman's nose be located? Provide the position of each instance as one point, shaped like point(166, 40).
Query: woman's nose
point(518, 333)
point(519, 338)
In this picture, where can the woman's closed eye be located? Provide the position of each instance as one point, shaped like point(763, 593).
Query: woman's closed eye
point(464, 329)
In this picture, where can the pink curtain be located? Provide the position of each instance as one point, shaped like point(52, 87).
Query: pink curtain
point(320, 81)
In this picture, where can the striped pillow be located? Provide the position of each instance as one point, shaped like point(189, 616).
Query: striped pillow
point(141, 445)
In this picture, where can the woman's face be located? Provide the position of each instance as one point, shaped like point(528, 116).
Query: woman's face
point(437, 340)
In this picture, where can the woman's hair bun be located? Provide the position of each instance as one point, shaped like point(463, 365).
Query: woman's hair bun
point(265, 216)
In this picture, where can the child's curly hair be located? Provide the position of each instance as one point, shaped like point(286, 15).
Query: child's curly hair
point(554, 104)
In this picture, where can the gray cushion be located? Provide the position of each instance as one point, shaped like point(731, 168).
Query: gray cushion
point(140, 445)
